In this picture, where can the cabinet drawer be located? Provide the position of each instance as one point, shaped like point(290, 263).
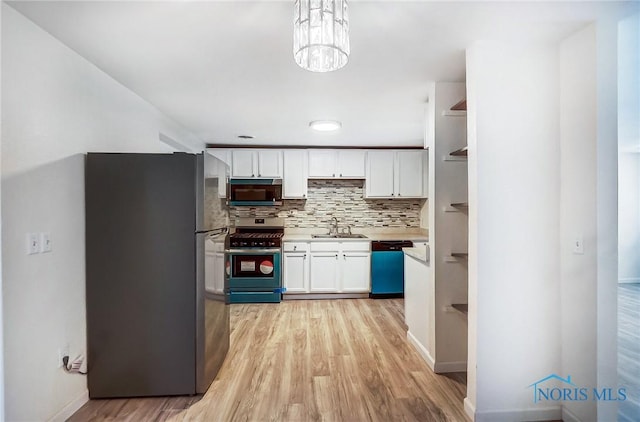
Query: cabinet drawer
point(325, 246)
point(295, 247)
point(356, 246)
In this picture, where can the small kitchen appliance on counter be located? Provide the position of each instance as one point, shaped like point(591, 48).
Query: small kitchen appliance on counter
point(253, 260)
point(387, 268)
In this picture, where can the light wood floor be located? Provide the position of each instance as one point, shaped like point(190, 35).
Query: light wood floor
point(629, 350)
point(315, 360)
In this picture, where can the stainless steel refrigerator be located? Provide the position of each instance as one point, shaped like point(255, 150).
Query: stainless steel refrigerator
point(152, 328)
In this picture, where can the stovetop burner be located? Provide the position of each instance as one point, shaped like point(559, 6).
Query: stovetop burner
point(257, 233)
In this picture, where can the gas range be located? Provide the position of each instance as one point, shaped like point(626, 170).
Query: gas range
point(253, 260)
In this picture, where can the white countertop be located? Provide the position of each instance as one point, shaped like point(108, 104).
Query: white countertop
point(307, 237)
point(419, 253)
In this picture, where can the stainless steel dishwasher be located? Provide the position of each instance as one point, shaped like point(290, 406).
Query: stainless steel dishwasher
point(387, 268)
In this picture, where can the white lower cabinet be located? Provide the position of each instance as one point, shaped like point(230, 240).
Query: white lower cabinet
point(214, 266)
point(295, 272)
point(324, 272)
point(218, 286)
point(326, 267)
point(356, 272)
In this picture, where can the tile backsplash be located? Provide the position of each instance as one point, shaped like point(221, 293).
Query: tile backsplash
point(343, 199)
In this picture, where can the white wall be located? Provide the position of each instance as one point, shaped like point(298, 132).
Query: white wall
point(578, 108)
point(514, 224)
point(629, 150)
point(56, 106)
point(1, 286)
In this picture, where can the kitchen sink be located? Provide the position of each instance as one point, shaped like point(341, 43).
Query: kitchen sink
point(338, 236)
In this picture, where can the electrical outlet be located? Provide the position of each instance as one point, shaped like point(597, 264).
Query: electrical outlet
point(62, 352)
point(33, 243)
point(578, 245)
point(45, 242)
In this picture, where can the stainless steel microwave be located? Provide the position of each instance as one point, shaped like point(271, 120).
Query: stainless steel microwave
point(255, 192)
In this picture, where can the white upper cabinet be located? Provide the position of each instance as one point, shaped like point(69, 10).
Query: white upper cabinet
point(242, 163)
point(380, 174)
point(410, 170)
point(396, 174)
point(322, 163)
point(294, 182)
point(270, 163)
point(247, 163)
point(328, 164)
point(351, 163)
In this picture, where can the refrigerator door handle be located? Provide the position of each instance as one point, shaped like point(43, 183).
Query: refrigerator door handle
point(214, 232)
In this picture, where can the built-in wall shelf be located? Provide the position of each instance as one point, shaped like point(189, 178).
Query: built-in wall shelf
point(463, 308)
point(462, 152)
point(455, 257)
point(460, 105)
point(460, 205)
point(454, 113)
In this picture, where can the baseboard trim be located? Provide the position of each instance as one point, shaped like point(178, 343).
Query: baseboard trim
point(537, 414)
point(71, 408)
point(424, 353)
point(569, 416)
point(312, 296)
point(632, 280)
point(469, 408)
point(437, 367)
point(445, 367)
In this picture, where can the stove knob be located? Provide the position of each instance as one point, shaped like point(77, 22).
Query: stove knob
point(254, 243)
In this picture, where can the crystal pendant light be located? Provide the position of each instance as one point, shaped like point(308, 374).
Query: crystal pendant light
point(321, 34)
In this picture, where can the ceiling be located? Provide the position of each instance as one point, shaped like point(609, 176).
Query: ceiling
point(224, 69)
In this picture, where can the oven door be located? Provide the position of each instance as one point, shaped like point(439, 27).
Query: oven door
point(253, 269)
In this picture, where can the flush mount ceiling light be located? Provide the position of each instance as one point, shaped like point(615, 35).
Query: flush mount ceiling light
point(325, 125)
point(321, 34)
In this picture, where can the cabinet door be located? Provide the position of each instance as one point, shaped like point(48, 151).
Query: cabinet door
point(356, 272)
point(324, 272)
point(223, 174)
point(294, 182)
point(294, 267)
point(269, 163)
point(322, 163)
point(219, 273)
point(351, 163)
point(410, 171)
point(379, 181)
point(210, 273)
point(242, 163)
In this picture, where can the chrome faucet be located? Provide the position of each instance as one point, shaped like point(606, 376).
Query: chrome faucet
point(333, 228)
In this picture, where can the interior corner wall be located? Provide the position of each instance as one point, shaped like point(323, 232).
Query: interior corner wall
point(56, 107)
point(450, 231)
point(2, 416)
point(629, 150)
point(513, 135)
point(578, 110)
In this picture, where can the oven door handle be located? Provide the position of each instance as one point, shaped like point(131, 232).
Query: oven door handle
point(252, 251)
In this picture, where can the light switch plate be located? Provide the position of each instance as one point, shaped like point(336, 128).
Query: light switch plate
point(33, 243)
point(45, 242)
